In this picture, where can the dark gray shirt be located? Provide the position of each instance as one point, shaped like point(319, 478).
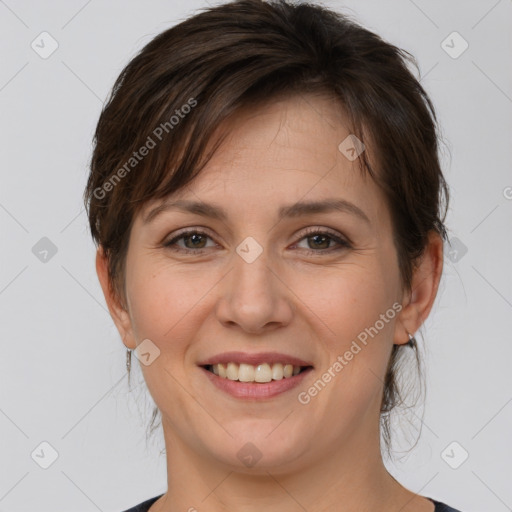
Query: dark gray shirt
point(144, 506)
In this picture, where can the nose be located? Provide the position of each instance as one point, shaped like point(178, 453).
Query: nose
point(254, 297)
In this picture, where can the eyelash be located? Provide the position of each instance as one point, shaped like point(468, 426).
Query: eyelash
point(343, 244)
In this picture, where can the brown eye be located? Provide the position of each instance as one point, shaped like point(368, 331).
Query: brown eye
point(194, 242)
point(320, 242)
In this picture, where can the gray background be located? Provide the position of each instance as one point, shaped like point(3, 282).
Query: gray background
point(62, 361)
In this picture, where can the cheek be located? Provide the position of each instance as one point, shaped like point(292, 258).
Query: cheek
point(355, 322)
point(151, 299)
point(358, 342)
point(165, 303)
point(348, 300)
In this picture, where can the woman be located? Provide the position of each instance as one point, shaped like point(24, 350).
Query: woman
point(266, 197)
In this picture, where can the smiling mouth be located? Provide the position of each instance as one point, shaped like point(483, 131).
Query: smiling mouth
point(261, 373)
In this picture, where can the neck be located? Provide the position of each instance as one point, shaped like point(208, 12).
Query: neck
point(347, 477)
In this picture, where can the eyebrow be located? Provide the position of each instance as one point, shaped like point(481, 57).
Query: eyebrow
point(295, 210)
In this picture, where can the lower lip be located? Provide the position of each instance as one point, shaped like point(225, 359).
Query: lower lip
point(256, 390)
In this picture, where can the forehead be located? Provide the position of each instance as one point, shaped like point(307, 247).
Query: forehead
point(284, 151)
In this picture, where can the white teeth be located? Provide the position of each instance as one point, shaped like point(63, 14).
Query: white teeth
point(263, 372)
point(232, 371)
point(277, 371)
point(288, 370)
point(221, 369)
point(246, 373)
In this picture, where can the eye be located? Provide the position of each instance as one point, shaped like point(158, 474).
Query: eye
point(322, 240)
point(319, 242)
point(194, 242)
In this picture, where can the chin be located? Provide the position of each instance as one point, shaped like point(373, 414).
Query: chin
point(258, 449)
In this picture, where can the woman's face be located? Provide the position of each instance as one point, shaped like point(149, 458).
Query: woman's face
point(317, 284)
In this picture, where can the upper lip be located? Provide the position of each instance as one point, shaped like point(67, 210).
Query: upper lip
point(247, 358)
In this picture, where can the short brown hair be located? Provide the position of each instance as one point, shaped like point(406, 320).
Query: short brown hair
point(242, 54)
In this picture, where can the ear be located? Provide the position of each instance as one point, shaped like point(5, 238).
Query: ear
point(118, 312)
point(425, 283)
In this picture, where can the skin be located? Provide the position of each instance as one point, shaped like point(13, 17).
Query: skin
point(319, 456)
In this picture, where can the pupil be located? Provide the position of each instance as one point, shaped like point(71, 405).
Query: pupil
point(316, 237)
point(195, 238)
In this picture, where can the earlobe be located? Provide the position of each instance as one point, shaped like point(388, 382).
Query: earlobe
point(118, 312)
point(425, 283)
